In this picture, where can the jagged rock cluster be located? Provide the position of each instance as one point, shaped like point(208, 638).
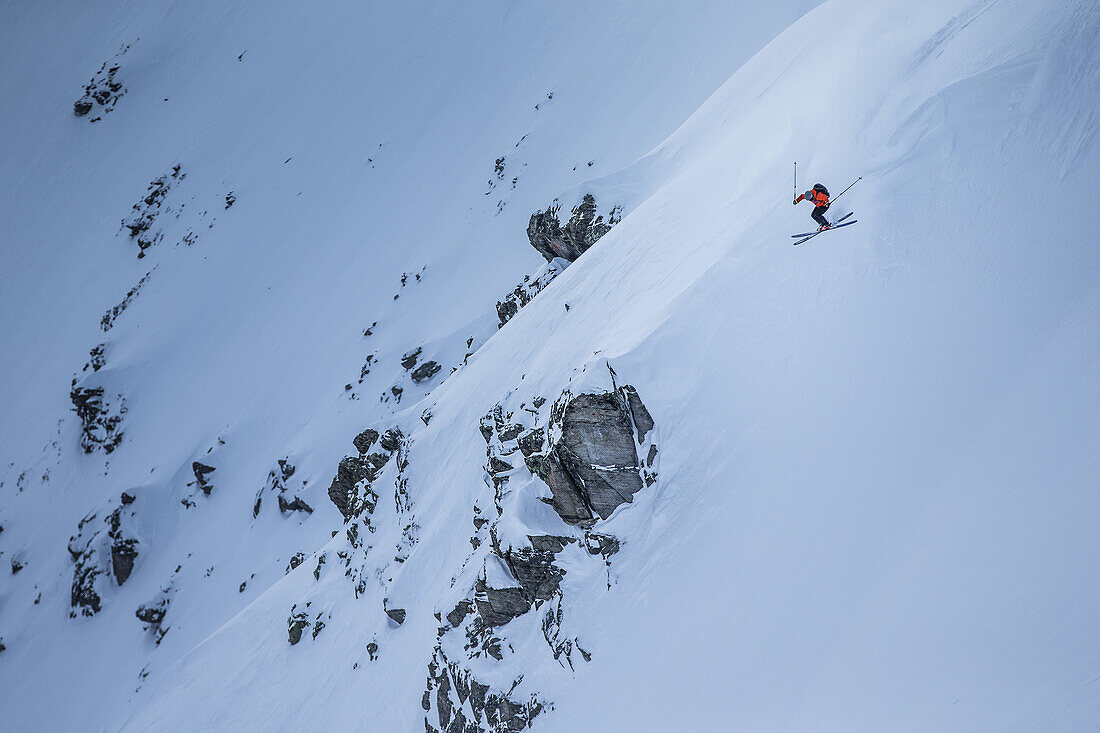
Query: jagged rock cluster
point(299, 621)
point(102, 549)
point(350, 489)
point(560, 245)
point(107, 322)
point(145, 212)
point(153, 612)
point(103, 91)
point(278, 483)
point(422, 373)
point(586, 451)
point(100, 417)
point(584, 228)
point(451, 690)
point(528, 289)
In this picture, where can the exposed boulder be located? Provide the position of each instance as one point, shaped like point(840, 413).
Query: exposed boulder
point(593, 467)
point(123, 554)
point(597, 450)
point(100, 417)
point(350, 489)
point(408, 361)
point(425, 371)
point(498, 606)
point(350, 472)
point(364, 440)
point(153, 612)
point(101, 548)
point(278, 482)
point(201, 471)
point(584, 228)
point(461, 610)
point(296, 624)
point(297, 505)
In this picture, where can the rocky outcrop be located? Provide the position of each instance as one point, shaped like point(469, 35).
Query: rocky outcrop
point(201, 471)
point(531, 286)
point(145, 212)
point(280, 484)
point(593, 466)
point(584, 228)
point(102, 92)
point(102, 549)
point(453, 693)
point(100, 417)
point(153, 612)
point(425, 371)
point(107, 322)
point(350, 489)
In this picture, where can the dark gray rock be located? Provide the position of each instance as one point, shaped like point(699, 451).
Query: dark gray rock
point(486, 427)
point(201, 471)
point(425, 371)
point(584, 228)
point(532, 441)
point(453, 693)
point(408, 361)
point(510, 432)
point(498, 606)
point(82, 107)
point(350, 472)
point(391, 439)
point(397, 614)
point(526, 291)
point(364, 440)
point(463, 609)
point(297, 505)
point(597, 450)
point(296, 623)
point(154, 611)
point(123, 554)
point(535, 572)
point(642, 419)
point(296, 560)
point(567, 499)
point(100, 418)
point(84, 597)
point(549, 543)
point(601, 544)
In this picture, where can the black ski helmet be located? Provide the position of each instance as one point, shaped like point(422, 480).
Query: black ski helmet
point(819, 187)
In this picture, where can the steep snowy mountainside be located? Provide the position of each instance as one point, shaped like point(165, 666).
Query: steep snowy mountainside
point(224, 232)
point(874, 502)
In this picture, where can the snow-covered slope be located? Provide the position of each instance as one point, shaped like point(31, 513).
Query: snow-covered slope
point(867, 498)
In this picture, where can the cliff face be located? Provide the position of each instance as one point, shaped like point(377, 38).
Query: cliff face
point(370, 369)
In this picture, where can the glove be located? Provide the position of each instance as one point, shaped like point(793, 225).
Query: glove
point(795, 201)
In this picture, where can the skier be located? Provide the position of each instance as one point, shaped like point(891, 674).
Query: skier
point(819, 197)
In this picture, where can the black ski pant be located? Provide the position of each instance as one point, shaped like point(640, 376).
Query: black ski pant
point(819, 215)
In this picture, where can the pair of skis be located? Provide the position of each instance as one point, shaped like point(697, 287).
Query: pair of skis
point(807, 236)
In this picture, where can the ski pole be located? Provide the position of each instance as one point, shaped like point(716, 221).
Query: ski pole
point(845, 190)
point(796, 179)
